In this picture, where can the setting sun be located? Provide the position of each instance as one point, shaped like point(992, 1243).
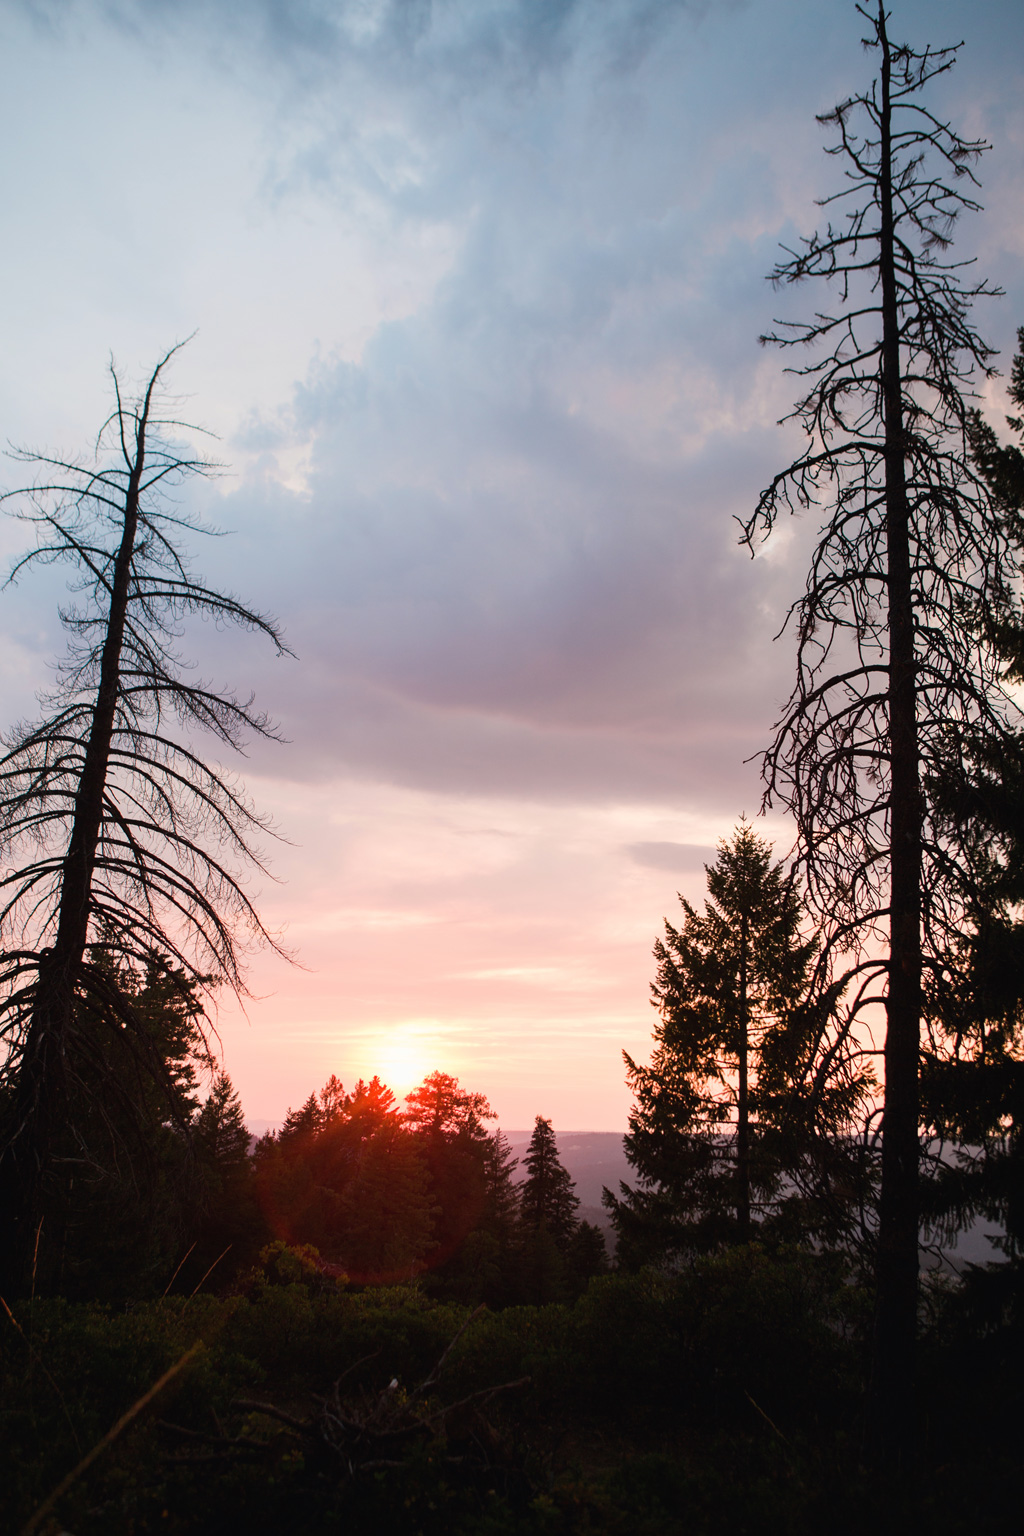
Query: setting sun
point(402, 1060)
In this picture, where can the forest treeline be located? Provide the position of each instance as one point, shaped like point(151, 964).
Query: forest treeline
point(371, 1190)
point(376, 1192)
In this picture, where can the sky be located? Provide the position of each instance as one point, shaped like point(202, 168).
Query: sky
point(476, 287)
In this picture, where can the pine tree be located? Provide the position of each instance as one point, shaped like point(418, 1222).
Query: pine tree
point(723, 1106)
point(547, 1221)
point(227, 1228)
point(346, 1176)
point(547, 1198)
point(301, 1125)
point(384, 1223)
point(586, 1255)
point(333, 1099)
point(448, 1125)
point(119, 1221)
point(439, 1108)
point(220, 1127)
point(501, 1195)
point(972, 1067)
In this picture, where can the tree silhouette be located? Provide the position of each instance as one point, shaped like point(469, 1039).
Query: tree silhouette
point(973, 1056)
point(346, 1175)
point(227, 1229)
point(548, 1196)
point(547, 1218)
point(734, 1096)
point(447, 1123)
point(128, 1210)
point(910, 574)
point(221, 1128)
point(116, 833)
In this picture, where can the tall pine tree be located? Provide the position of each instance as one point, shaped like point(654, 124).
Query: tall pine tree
point(733, 1088)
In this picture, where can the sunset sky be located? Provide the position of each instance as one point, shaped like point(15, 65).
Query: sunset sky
point(477, 286)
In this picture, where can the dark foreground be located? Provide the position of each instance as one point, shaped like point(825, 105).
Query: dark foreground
point(726, 1400)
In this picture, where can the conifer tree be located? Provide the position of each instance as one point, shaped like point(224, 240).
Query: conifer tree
point(227, 1227)
point(122, 1220)
point(301, 1125)
point(447, 1123)
point(501, 1195)
point(220, 1126)
point(346, 1176)
point(548, 1198)
point(547, 1214)
point(723, 1109)
point(972, 1070)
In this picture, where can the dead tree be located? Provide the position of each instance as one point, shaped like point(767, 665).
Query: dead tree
point(118, 837)
point(910, 572)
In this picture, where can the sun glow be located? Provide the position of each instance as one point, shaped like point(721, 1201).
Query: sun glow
point(404, 1060)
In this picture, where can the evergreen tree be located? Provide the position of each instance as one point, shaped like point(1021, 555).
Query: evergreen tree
point(723, 1106)
point(333, 1099)
point(301, 1125)
point(440, 1109)
point(586, 1255)
point(115, 1226)
point(485, 1266)
point(346, 1176)
point(228, 1228)
point(383, 1227)
point(448, 1124)
point(972, 1070)
point(547, 1197)
point(496, 1235)
point(547, 1219)
point(1002, 464)
point(501, 1195)
point(220, 1127)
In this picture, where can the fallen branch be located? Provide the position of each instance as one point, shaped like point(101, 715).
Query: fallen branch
point(356, 1429)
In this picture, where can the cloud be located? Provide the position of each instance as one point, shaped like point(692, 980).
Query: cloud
point(684, 857)
point(496, 508)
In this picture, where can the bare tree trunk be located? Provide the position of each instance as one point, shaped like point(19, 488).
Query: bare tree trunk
point(743, 1097)
point(101, 793)
point(897, 1264)
point(42, 1098)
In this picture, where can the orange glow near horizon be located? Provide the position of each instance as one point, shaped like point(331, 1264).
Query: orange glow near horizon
point(506, 943)
point(405, 1058)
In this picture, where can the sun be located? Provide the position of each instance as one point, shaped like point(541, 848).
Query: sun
point(403, 1061)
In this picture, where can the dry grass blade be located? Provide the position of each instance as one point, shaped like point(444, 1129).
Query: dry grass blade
point(35, 1356)
point(211, 1269)
point(34, 1522)
point(35, 1259)
point(177, 1272)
